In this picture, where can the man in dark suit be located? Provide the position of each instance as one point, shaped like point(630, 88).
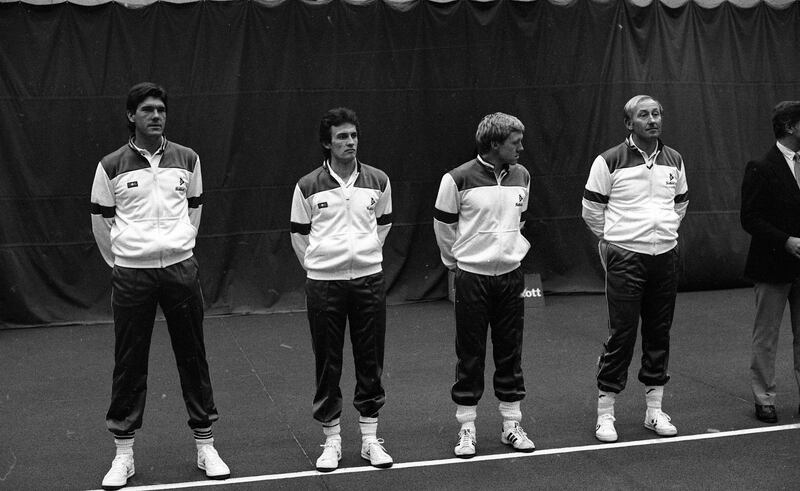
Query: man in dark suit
point(771, 215)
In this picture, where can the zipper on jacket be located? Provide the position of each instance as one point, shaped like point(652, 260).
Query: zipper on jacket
point(499, 212)
point(350, 244)
point(157, 204)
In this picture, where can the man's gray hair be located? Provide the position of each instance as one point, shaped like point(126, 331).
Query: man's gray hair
point(630, 106)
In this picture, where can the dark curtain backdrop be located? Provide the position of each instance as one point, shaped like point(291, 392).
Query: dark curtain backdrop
point(248, 83)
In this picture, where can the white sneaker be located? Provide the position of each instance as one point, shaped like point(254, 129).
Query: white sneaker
point(605, 431)
point(517, 438)
point(331, 455)
point(466, 444)
point(659, 421)
point(373, 451)
point(121, 469)
point(209, 460)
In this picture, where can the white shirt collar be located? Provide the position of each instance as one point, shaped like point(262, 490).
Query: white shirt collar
point(648, 158)
point(788, 154)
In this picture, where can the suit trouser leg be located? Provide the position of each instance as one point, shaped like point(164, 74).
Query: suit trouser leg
point(133, 302)
point(658, 308)
point(472, 322)
point(626, 278)
point(794, 307)
point(770, 304)
point(326, 302)
point(181, 300)
point(367, 316)
point(506, 318)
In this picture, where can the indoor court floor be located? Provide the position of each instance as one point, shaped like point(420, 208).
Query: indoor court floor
point(55, 384)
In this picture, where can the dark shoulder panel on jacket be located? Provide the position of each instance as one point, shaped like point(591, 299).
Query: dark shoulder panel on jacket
point(178, 156)
point(316, 181)
point(621, 157)
point(669, 157)
point(472, 174)
point(121, 161)
point(518, 175)
point(371, 178)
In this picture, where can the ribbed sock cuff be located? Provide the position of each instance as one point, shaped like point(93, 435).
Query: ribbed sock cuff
point(332, 429)
point(466, 415)
point(368, 427)
point(124, 443)
point(203, 436)
point(605, 402)
point(653, 395)
point(510, 411)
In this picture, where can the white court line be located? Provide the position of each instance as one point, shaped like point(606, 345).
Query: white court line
point(478, 458)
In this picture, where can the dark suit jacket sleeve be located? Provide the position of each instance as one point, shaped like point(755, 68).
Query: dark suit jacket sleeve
point(770, 213)
point(757, 210)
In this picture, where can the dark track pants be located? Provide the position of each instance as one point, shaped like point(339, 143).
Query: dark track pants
point(134, 296)
point(483, 301)
point(637, 286)
point(331, 304)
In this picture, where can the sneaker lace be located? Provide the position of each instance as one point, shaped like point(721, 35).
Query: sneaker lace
point(378, 442)
point(518, 431)
point(465, 438)
point(605, 417)
point(120, 463)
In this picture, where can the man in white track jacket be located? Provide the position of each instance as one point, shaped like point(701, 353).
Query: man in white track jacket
point(635, 198)
point(341, 215)
point(478, 221)
point(146, 202)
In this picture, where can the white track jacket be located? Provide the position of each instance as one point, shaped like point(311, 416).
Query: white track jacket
point(144, 216)
point(478, 218)
point(635, 202)
point(338, 228)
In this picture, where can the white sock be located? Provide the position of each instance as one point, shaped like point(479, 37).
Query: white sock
point(203, 436)
point(466, 415)
point(369, 428)
point(605, 402)
point(124, 445)
point(653, 395)
point(511, 413)
point(332, 430)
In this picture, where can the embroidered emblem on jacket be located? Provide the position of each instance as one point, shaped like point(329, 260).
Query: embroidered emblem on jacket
point(521, 199)
point(322, 205)
point(133, 184)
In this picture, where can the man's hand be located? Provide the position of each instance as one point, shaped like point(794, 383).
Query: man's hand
point(792, 246)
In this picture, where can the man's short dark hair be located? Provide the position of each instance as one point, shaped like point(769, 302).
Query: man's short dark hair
point(334, 117)
point(139, 93)
point(785, 113)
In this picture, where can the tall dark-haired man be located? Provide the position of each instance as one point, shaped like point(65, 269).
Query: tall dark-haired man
point(771, 215)
point(146, 203)
point(635, 199)
point(341, 214)
point(478, 223)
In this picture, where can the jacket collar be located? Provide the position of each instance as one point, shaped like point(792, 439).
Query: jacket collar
point(632, 146)
point(142, 151)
